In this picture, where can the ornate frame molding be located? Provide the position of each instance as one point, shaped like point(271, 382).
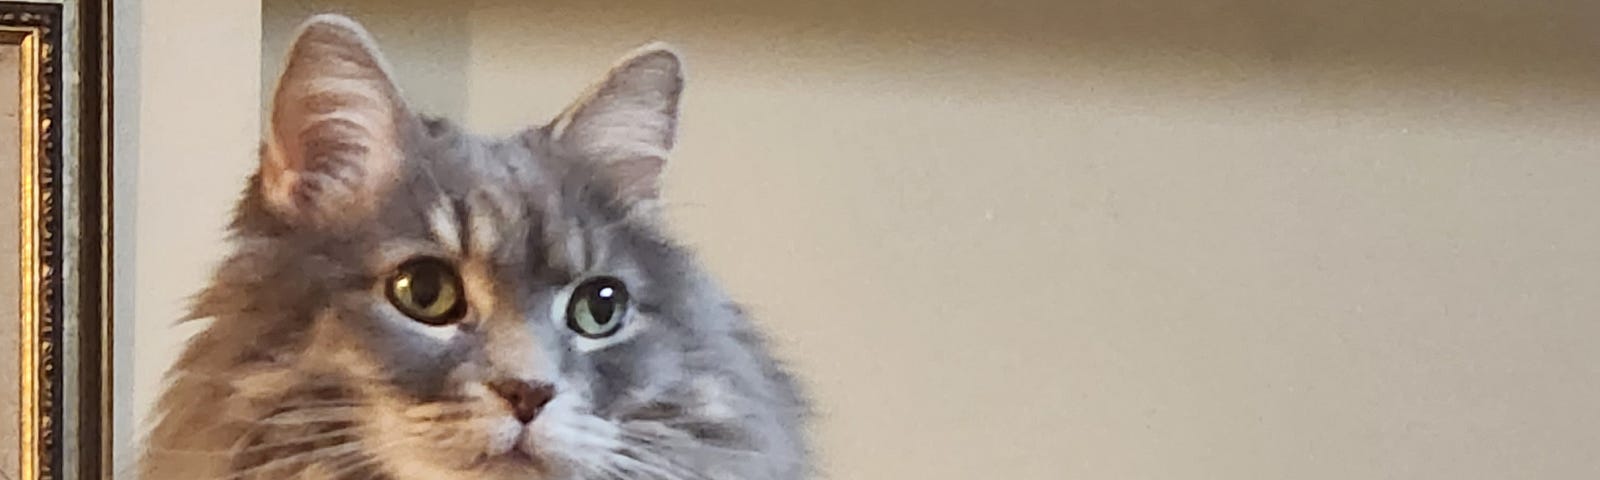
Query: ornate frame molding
point(64, 205)
point(36, 30)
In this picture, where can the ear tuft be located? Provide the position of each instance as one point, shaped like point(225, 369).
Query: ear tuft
point(628, 121)
point(333, 141)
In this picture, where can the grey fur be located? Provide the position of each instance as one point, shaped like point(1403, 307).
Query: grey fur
point(305, 368)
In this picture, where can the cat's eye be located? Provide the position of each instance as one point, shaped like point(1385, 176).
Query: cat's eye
point(428, 290)
point(597, 307)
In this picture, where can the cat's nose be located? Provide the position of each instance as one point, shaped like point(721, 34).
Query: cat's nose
point(526, 398)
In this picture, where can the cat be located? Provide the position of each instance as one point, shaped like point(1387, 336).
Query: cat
point(405, 300)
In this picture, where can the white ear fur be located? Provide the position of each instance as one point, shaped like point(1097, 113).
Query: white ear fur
point(333, 140)
point(628, 121)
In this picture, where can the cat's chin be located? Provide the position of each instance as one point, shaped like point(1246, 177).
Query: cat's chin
point(424, 445)
point(512, 465)
point(515, 464)
point(513, 458)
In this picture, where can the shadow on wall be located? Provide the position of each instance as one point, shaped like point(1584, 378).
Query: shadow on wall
point(1431, 57)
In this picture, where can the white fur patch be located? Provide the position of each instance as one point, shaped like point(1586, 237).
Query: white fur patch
point(488, 210)
point(485, 233)
point(390, 255)
point(442, 221)
point(630, 329)
point(504, 432)
point(441, 333)
point(718, 403)
point(563, 431)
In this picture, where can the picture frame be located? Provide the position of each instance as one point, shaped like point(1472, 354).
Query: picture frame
point(55, 168)
point(31, 155)
point(90, 450)
point(92, 365)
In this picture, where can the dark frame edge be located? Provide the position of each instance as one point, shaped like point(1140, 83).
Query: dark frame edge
point(94, 434)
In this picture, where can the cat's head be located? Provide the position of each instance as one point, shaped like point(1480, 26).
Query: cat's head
point(413, 301)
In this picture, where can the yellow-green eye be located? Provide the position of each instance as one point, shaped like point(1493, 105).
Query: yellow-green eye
point(597, 307)
point(428, 290)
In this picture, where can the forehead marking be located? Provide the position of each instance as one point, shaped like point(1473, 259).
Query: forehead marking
point(569, 247)
point(484, 232)
point(487, 209)
point(444, 221)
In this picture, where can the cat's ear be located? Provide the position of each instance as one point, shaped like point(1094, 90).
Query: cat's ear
point(333, 142)
point(628, 121)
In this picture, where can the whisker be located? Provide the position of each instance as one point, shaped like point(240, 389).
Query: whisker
point(361, 461)
point(683, 471)
point(343, 402)
point(256, 448)
point(664, 471)
point(335, 451)
point(689, 443)
point(310, 416)
point(442, 411)
point(611, 471)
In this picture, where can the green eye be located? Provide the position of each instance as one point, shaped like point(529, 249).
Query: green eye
point(597, 307)
point(428, 290)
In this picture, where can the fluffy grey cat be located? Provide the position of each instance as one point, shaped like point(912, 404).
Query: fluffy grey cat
point(408, 301)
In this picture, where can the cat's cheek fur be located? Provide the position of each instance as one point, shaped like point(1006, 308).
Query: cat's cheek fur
point(567, 436)
point(441, 440)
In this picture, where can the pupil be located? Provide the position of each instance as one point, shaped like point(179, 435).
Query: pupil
point(425, 288)
point(601, 308)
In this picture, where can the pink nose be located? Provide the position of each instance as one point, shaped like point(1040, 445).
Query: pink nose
point(526, 398)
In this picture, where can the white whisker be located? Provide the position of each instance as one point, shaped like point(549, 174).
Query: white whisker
point(311, 416)
point(254, 448)
point(324, 453)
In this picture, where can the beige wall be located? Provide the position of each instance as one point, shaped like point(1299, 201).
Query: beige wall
point(186, 123)
point(413, 34)
point(1059, 239)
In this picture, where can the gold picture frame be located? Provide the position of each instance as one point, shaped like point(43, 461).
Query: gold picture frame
point(55, 168)
point(30, 96)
